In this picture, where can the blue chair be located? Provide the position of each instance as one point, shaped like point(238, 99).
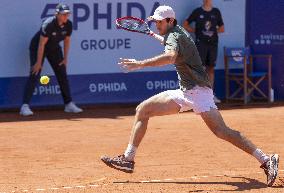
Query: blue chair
point(240, 68)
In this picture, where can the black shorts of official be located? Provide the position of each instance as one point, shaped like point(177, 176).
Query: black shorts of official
point(208, 53)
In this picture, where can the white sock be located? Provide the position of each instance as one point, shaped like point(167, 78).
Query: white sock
point(130, 152)
point(260, 156)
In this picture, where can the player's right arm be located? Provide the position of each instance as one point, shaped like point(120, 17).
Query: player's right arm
point(188, 28)
point(189, 20)
point(166, 58)
point(169, 57)
point(45, 33)
point(42, 42)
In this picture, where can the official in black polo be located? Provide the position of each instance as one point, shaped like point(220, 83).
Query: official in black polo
point(208, 23)
point(45, 44)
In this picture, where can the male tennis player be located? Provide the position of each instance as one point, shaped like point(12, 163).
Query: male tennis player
point(195, 93)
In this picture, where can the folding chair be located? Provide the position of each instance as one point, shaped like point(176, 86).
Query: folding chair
point(240, 68)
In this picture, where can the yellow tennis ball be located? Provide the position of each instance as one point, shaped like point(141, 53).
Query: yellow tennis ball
point(44, 80)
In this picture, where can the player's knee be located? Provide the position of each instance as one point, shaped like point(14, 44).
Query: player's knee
point(236, 134)
point(221, 132)
point(227, 133)
point(142, 111)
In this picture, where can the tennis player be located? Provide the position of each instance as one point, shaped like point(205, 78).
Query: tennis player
point(195, 93)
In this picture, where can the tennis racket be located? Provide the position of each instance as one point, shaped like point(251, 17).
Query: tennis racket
point(134, 24)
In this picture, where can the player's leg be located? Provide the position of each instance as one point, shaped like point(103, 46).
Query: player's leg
point(211, 73)
point(54, 59)
point(158, 105)
point(216, 124)
point(30, 85)
point(211, 64)
point(203, 52)
point(211, 61)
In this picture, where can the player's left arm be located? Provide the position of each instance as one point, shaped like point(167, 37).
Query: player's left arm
point(66, 50)
point(221, 29)
point(168, 57)
point(220, 23)
point(67, 42)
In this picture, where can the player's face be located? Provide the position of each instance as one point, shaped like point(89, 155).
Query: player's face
point(162, 26)
point(207, 2)
point(62, 18)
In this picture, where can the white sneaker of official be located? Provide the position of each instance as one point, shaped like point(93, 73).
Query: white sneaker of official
point(25, 110)
point(72, 108)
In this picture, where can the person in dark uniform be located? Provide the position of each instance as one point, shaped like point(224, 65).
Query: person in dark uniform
point(208, 23)
point(45, 43)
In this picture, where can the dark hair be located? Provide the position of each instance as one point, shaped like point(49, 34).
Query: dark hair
point(175, 21)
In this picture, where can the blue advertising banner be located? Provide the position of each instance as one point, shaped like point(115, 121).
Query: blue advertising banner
point(96, 46)
point(90, 89)
point(265, 35)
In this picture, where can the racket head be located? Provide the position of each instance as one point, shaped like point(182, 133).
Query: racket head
point(133, 24)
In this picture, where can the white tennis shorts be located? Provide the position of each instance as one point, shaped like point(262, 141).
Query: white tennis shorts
point(199, 99)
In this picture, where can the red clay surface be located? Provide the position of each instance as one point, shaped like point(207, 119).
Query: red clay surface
point(58, 152)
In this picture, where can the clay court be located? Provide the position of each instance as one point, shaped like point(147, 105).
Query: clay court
point(58, 152)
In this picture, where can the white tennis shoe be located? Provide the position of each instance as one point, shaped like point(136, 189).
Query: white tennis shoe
point(72, 108)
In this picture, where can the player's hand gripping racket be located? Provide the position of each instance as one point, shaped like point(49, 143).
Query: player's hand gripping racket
point(136, 25)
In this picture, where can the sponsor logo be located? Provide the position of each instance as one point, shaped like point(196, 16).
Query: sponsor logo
point(103, 12)
point(207, 27)
point(236, 53)
point(107, 87)
point(269, 39)
point(162, 85)
point(47, 90)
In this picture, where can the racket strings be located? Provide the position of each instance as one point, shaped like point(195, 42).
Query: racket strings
point(134, 25)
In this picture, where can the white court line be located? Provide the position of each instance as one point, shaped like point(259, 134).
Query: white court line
point(93, 185)
point(40, 189)
point(145, 181)
point(156, 180)
point(80, 186)
point(67, 187)
point(142, 181)
point(179, 179)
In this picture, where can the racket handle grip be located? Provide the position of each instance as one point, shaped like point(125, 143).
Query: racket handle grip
point(158, 37)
